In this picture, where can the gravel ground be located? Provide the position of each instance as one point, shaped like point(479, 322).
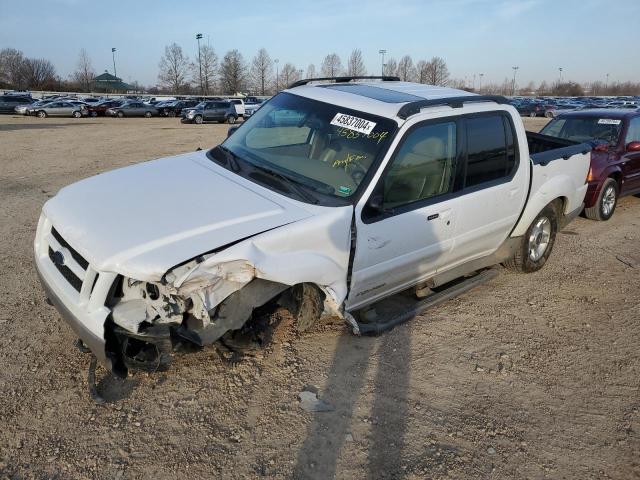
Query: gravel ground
point(528, 376)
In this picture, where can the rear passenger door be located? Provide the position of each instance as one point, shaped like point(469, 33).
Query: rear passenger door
point(491, 187)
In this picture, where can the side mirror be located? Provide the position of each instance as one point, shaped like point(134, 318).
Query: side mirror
point(633, 147)
point(231, 130)
point(375, 206)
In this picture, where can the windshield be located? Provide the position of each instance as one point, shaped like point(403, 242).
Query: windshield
point(326, 148)
point(584, 129)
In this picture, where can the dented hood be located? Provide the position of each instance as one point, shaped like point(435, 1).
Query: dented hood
point(142, 220)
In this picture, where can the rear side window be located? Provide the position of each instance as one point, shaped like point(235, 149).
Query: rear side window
point(633, 133)
point(490, 150)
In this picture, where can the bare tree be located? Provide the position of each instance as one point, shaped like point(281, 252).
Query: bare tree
point(331, 65)
point(174, 68)
point(391, 67)
point(289, 74)
point(232, 72)
point(311, 71)
point(12, 67)
point(406, 70)
point(355, 65)
point(437, 72)
point(261, 71)
point(84, 73)
point(38, 73)
point(421, 71)
point(209, 63)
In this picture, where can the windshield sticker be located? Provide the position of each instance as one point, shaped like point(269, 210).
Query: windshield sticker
point(348, 160)
point(344, 190)
point(609, 121)
point(349, 134)
point(353, 123)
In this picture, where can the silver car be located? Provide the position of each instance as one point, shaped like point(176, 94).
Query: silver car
point(59, 109)
point(133, 109)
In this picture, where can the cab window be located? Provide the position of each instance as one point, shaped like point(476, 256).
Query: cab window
point(423, 167)
point(633, 133)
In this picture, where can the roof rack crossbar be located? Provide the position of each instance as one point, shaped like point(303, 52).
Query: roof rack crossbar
point(412, 108)
point(384, 78)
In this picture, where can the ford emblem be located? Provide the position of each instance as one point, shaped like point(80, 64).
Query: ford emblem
point(58, 258)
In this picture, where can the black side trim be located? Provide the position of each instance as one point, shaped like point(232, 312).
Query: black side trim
point(454, 102)
point(385, 78)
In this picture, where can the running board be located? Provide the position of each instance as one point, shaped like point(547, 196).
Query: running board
point(418, 306)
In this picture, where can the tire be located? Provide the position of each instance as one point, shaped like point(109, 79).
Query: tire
point(147, 114)
point(606, 204)
point(231, 119)
point(533, 114)
point(171, 113)
point(548, 114)
point(198, 119)
point(120, 114)
point(41, 114)
point(76, 114)
point(94, 114)
point(536, 244)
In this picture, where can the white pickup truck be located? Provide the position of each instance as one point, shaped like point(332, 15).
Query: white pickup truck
point(330, 198)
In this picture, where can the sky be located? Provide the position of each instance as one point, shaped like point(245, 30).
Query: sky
point(587, 38)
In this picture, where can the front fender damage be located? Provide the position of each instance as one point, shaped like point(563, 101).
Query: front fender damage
point(202, 300)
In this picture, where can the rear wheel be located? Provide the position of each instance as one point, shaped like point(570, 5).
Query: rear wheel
point(198, 119)
point(77, 114)
point(536, 244)
point(42, 114)
point(120, 114)
point(548, 114)
point(231, 119)
point(606, 204)
point(147, 114)
point(533, 114)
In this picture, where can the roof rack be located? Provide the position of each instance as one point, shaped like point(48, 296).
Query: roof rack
point(412, 108)
point(384, 78)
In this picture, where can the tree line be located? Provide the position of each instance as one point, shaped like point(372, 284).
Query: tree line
point(207, 74)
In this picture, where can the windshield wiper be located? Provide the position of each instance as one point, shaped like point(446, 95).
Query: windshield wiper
point(232, 159)
point(295, 185)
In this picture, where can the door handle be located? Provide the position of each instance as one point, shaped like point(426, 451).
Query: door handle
point(433, 217)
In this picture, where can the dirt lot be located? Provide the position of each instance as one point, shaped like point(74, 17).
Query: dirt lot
point(528, 376)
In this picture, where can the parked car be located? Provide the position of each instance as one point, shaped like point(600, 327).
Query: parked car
point(530, 109)
point(59, 109)
point(239, 106)
point(615, 161)
point(210, 111)
point(250, 109)
point(8, 103)
point(362, 198)
point(100, 109)
point(132, 109)
point(174, 108)
point(23, 108)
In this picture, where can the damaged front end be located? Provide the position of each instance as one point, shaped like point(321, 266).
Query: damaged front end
point(194, 307)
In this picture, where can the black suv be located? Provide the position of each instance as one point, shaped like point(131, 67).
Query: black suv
point(8, 103)
point(174, 109)
point(216, 111)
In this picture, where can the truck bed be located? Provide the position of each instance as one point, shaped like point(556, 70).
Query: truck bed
point(544, 148)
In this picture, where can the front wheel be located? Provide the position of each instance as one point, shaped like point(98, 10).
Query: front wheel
point(533, 114)
point(120, 114)
point(198, 119)
point(231, 119)
point(536, 244)
point(147, 114)
point(606, 204)
point(77, 114)
point(42, 114)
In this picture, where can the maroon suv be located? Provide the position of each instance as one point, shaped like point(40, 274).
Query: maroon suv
point(99, 109)
point(615, 160)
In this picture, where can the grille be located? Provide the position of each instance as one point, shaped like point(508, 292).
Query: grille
point(66, 271)
point(76, 256)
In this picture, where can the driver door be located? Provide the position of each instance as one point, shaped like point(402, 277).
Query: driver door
point(631, 159)
point(405, 237)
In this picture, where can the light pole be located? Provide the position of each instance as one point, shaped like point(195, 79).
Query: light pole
point(382, 52)
point(560, 77)
point(606, 85)
point(113, 55)
point(474, 82)
point(513, 87)
point(198, 37)
point(480, 86)
point(277, 75)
